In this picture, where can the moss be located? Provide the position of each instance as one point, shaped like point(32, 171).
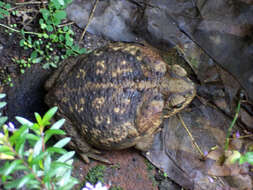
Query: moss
point(96, 174)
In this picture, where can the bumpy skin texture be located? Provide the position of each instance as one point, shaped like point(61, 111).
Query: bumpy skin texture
point(117, 96)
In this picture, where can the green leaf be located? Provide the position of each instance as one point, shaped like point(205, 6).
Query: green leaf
point(82, 51)
point(22, 32)
point(10, 168)
point(69, 184)
point(42, 26)
point(24, 121)
point(38, 118)
point(34, 54)
point(7, 6)
point(61, 37)
point(248, 157)
point(53, 37)
point(58, 16)
point(51, 132)
point(2, 96)
point(25, 180)
point(34, 184)
point(4, 149)
point(47, 163)
point(56, 4)
point(56, 150)
point(3, 120)
point(50, 28)
point(58, 124)
point(12, 184)
point(61, 2)
point(36, 128)
point(32, 137)
point(66, 156)
point(69, 41)
point(57, 167)
point(45, 13)
point(65, 28)
point(37, 60)
point(20, 133)
point(62, 142)
point(38, 158)
point(7, 156)
point(45, 35)
point(4, 12)
point(37, 148)
point(2, 104)
point(50, 113)
point(20, 146)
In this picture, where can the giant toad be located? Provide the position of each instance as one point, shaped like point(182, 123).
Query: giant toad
point(117, 96)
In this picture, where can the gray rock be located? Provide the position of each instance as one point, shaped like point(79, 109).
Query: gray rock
point(112, 19)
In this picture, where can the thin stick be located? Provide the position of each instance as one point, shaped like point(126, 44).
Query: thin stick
point(189, 133)
point(32, 3)
point(14, 30)
point(67, 24)
point(89, 20)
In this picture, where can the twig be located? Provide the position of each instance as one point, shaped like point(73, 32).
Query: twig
point(189, 133)
point(89, 20)
point(32, 3)
point(14, 30)
point(66, 24)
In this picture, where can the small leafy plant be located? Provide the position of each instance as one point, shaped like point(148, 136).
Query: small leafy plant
point(53, 43)
point(25, 150)
point(4, 7)
point(236, 156)
point(96, 174)
point(3, 119)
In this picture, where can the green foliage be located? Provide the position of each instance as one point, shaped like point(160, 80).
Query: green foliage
point(96, 174)
point(53, 43)
point(43, 167)
point(4, 9)
point(8, 80)
point(248, 157)
point(3, 119)
point(241, 159)
point(149, 166)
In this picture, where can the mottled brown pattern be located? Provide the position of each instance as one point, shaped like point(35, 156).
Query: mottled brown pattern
point(115, 97)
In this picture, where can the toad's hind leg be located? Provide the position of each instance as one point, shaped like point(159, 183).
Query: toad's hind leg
point(149, 119)
point(78, 142)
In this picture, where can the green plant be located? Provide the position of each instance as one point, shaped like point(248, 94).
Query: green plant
point(236, 155)
point(232, 124)
point(8, 80)
point(241, 158)
point(96, 174)
point(149, 166)
point(4, 9)
point(53, 43)
point(3, 119)
point(25, 149)
point(150, 170)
